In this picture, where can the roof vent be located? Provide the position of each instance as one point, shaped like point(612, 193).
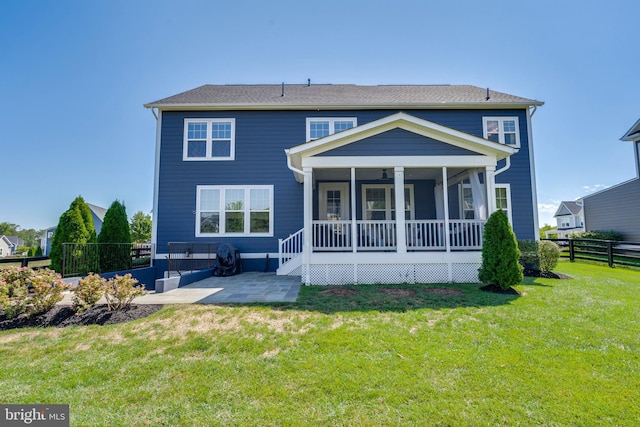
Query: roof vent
point(488, 97)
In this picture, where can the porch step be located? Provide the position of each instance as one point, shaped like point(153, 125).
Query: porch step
point(293, 267)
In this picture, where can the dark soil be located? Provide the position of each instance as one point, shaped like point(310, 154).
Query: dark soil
point(444, 291)
point(547, 275)
point(61, 316)
point(498, 290)
point(341, 292)
point(398, 292)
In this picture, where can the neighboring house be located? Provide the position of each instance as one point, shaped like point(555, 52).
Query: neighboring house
point(6, 247)
point(569, 219)
point(97, 213)
point(617, 207)
point(305, 179)
point(16, 242)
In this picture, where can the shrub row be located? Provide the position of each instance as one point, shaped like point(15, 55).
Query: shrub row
point(33, 292)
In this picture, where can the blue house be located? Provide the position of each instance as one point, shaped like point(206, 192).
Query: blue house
point(308, 179)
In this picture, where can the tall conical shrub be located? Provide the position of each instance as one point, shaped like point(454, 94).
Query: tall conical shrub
point(74, 226)
point(500, 253)
point(115, 239)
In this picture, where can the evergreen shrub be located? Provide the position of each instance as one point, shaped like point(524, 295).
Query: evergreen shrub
point(500, 253)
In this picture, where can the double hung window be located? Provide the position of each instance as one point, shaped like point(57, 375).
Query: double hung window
point(234, 210)
point(505, 130)
point(209, 139)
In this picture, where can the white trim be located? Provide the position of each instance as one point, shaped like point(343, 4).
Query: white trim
point(501, 131)
point(332, 121)
point(534, 185)
point(394, 106)
point(244, 255)
point(509, 207)
point(246, 210)
point(209, 140)
point(343, 187)
point(156, 187)
point(328, 162)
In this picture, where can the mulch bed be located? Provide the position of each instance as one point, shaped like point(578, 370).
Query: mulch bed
point(61, 316)
point(498, 290)
point(546, 275)
point(341, 292)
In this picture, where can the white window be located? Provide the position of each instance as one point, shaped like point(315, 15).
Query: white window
point(209, 139)
point(234, 210)
point(503, 199)
point(466, 202)
point(379, 202)
point(505, 130)
point(319, 127)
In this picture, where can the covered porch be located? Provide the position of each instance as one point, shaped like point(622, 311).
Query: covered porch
point(354, 231)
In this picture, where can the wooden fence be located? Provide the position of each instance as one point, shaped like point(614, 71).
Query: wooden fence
point(609, 251)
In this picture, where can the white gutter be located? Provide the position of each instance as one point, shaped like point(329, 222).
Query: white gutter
point(293, 168)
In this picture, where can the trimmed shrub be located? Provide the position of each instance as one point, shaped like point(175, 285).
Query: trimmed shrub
point(45, 290)
point(549, 255)
point(120, 291)
point(500, 253)
point(529, 254)
point(89, 290)
point(23, 290)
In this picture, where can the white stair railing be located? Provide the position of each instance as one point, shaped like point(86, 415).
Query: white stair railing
point(290, 247)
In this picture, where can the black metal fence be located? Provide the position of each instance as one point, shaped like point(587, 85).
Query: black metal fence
point(609, 251)
point(190, 256)
point(80, 259)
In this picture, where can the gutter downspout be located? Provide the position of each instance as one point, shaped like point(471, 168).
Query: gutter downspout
point(534, 189)
point(290, 166)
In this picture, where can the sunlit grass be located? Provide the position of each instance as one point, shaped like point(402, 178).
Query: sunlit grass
point(566, 352)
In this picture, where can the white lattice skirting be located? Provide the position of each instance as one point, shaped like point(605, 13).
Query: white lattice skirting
point(371, 274)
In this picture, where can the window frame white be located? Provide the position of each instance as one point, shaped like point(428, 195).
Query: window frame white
point(332, 123)
point(388, 200)
point(222, 211)
point(501, 132)
point(463, 187)
point(209, 140)
point(507, 188)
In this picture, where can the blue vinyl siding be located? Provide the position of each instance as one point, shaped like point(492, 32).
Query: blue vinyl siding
point(398, 142)
point(260, 140)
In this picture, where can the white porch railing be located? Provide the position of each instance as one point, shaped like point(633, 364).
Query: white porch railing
point(290, 247)
point(381, 235)
point(331, 235)
point(376, 235)
point(466, 233)
point(425, 234)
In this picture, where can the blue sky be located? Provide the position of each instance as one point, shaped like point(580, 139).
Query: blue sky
point(74, 76)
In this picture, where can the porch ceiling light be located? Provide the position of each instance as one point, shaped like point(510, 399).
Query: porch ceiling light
point(384, 175)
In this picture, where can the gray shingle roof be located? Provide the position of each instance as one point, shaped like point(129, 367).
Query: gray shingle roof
point(339, 96)
point(574, 207)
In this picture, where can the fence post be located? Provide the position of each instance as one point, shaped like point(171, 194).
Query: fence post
point(610, 253)
point(572, 254)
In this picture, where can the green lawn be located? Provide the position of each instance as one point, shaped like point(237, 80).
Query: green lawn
point(566, 352)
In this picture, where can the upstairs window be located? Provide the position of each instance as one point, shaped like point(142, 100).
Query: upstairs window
point(209, 139)
point(505, 130)
point(321, 127)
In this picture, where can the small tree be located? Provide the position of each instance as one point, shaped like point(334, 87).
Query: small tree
point(115, 230)
point(500, 253)
point(140, 227)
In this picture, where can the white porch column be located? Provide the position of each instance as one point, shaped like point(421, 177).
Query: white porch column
point(401, 236)
point(354, 225)
point(445, 191)
point(490, 184)
point(308, 217)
